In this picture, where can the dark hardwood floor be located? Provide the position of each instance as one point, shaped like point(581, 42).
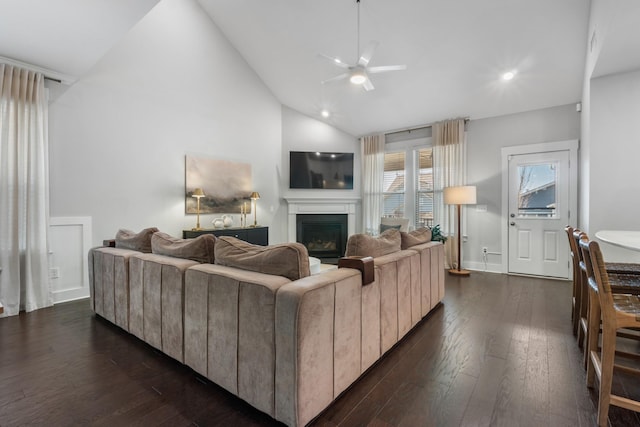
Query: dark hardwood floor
point(498, 352)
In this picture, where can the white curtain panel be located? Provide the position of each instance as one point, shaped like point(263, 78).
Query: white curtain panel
point(372, 181)
point(449, 169)
point(24, 191)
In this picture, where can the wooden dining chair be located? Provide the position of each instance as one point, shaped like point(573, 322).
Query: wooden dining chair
point(623, 277)
point(576, 294)
point(617, 311)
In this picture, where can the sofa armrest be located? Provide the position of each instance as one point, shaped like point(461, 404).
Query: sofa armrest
point(362, 264)
point(318, 342)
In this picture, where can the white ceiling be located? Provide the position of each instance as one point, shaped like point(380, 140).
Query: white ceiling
point(66, 36)
point(455, 51)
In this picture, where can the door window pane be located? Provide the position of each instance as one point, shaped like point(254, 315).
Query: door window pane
point(537, 194)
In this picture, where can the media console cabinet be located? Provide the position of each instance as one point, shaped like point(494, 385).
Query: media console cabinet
point(256, 235)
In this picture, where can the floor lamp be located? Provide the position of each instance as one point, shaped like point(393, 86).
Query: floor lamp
point(462, 195)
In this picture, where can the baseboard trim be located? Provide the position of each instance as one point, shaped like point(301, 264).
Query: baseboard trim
point(480, 266)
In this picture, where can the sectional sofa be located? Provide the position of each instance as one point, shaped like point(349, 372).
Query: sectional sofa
point(254, 320)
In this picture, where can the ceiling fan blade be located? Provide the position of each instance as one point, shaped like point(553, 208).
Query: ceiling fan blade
point(336, 78)
point(385, 68)
point(334, 60)
point(367, 85)
point(367, 53)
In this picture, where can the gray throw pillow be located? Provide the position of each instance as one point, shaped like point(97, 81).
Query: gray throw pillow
point(200, 249)
point(290, 260)
point(365, 245)
point(415, 237)
point(127, 239)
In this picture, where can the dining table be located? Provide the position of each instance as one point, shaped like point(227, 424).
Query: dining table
point(628, 239)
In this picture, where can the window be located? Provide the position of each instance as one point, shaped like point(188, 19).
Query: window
point(537, 190)
point(394, 185)
point(424, 188)
point(408, 182)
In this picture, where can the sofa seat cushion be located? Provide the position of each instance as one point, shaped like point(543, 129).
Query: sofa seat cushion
point(200, 249)
point(141, 242)
point(415, 237)
point(364, 245)
point(290, 260)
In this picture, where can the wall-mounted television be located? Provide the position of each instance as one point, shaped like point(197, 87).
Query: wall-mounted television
point(313, 169)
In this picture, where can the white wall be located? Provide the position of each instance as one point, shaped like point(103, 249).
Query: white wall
point(304, 133)
point(615, 150)
point(485, 138)
point(172, 86)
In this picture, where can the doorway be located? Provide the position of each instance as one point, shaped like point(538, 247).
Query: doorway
point(539, 200)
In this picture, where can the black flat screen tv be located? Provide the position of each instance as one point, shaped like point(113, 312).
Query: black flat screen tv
point(312, 169)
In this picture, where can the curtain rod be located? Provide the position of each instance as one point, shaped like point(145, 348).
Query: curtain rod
point(47, 73)
point(409, 130)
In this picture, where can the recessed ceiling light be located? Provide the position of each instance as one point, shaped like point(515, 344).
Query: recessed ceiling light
point(509, 75)
point(324, 113)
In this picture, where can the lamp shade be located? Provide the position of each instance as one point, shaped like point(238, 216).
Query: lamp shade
point(461, 195)
point(255, 195)
point(197, 193)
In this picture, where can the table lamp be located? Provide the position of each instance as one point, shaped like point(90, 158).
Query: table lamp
point(461, 195)
point(198, 194)
point(254, 198)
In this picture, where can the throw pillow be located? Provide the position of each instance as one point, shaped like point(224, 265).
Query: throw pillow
point(385, 227)
point(290, 260)
point(200, 249)
point(365, 245)
point(141, 242)
point(415, 237)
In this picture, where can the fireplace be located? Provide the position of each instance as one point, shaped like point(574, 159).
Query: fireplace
point(324, 235)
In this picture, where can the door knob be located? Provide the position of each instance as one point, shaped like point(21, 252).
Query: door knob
point(512, 223)
point(512, 215)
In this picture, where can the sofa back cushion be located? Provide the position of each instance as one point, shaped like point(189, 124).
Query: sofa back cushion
point(364, 245)
point(415, 237)
point(290, 260)
point(200, 249)
point(141, 242)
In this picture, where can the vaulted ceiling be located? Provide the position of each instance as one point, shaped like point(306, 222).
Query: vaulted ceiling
point(455, 51)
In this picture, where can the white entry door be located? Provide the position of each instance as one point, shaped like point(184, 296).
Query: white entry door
point(538, 210)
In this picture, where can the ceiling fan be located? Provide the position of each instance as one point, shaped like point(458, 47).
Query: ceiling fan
point(359, 72)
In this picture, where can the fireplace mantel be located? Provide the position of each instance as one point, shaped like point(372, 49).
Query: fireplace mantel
point(321, 205)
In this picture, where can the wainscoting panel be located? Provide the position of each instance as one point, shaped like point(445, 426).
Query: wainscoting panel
point(69, 244)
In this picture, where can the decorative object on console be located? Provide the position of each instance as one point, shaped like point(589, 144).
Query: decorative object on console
point(198, 194)
point(460, 195)
point(217, 223)
point(226, 184)
point(254, 199)
point(227, 221)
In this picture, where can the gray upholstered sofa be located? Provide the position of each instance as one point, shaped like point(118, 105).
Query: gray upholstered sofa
point(255, 322)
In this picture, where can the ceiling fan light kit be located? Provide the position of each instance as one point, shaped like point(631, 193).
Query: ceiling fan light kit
point(358, 74)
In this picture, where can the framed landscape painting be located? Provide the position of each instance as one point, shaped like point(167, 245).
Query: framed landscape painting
point(226, 185)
